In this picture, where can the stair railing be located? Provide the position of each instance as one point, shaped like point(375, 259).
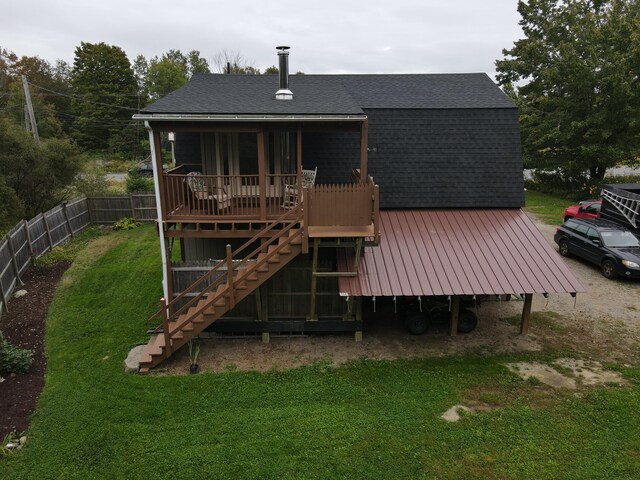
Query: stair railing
point(292, 217)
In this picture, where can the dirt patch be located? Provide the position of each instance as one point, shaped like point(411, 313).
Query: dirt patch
point(385, 338)
point(24, 326)
point(544, 373)
point(589, 373)
point(576, 373)
point(453, 414)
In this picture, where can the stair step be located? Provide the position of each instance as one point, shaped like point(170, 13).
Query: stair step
point(178, 335)
point(241, 286)
point(156, 345)
point(275, 258)
point(145, 358)
point(264, 267)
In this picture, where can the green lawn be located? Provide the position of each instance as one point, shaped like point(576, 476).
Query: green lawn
point(549, 208)
point(369, 419)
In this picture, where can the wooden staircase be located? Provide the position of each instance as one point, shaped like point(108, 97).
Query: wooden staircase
point(219, 294)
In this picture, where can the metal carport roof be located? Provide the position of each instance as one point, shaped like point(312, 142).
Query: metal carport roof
point(458, 252)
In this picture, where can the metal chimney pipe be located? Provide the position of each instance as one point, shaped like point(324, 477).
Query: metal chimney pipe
point(283, 61)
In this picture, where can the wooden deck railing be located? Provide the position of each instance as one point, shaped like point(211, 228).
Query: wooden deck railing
point(226, 197)
point(353, 205)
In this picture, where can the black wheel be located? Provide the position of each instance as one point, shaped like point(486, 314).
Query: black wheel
point(563, 247)
point(608, 269)
point(417, 323)
point(467, 321)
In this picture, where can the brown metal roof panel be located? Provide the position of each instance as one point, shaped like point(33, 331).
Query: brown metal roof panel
point(458, 252)
point(552, 260)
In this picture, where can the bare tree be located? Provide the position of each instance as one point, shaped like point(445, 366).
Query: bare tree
point(233, 62)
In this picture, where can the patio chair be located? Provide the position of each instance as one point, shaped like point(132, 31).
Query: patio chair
point(202, 192)
point(292, 191)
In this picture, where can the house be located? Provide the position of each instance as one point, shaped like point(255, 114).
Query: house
point(298, 196)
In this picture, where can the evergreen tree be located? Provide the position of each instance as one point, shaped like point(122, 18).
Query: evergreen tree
point(105, 96)
point(575, 78)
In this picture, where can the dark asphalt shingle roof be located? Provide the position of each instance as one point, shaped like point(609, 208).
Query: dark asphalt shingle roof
point(331, 94)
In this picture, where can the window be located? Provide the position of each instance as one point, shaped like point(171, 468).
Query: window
point(593, 235)
point(582, 230)
point(619, 239)
point(594, 208)
point(571, 225)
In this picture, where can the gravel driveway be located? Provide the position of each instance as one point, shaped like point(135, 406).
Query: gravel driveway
point(619, 299)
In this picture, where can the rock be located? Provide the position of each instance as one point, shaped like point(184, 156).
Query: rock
point(23, 440)
point(1, 379)
point(20, 293)
point(132, 362)
point(11, 446)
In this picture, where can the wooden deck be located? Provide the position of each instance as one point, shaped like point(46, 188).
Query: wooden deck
point(340, 232)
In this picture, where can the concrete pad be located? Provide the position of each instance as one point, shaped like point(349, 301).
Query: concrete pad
point(132, 362)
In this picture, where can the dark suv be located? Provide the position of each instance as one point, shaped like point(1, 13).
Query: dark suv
point(614, 248)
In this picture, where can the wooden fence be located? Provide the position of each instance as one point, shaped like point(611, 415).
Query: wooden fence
point(110, 209)
point(29, 240)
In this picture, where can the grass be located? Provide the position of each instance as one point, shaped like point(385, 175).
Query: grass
point(547, 207)
point(367, 419)
point(70, 250)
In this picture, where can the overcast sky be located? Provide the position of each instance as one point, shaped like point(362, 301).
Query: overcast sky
point(326, 36)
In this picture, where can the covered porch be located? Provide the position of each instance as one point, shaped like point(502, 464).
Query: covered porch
point(256, 172)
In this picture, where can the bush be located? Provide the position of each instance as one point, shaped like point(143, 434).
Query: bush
point(90, 183)
point(572, 186)
point(562, 184)
point(138, 183)
point(14, 359)
point(126, 223)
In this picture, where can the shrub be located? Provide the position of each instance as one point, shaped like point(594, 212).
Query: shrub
point(138, 183)
point(90, 183)
point(126, 223)
point(14, 359)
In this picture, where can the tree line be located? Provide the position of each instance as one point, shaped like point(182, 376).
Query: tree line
point(576, 78)
point(82, 107)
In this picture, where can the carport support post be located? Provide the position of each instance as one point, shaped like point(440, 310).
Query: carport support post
point(526, 313)
point(455, 313)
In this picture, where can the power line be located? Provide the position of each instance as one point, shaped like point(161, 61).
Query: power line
point(88, 101)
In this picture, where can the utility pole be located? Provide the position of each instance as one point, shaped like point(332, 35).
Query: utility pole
point(32, 117)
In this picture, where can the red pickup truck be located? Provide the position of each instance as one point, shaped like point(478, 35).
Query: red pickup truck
point(586, 209)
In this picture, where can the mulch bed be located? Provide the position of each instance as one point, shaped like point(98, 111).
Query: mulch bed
point(24, 326)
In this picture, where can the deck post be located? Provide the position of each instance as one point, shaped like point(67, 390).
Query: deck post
point(158, 183)
point(165, 327)
point(232, 299)
point(526, 313)
point(455, 313)
point(314, 280)
point(299, 163)
point(364, 146)
point(262, 176)
point(306, 206)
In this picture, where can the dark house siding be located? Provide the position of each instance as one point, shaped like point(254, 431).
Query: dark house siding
point(187, 148)
point(420, 158)
point(334, 153)
point(449, 158)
